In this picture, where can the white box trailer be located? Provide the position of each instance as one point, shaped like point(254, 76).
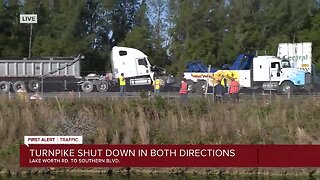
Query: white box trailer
point(299, 54)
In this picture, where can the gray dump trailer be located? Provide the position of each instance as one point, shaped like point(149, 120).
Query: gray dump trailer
point(30, 73)
point(48, 74)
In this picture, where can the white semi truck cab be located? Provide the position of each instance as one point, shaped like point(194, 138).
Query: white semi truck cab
point(133, 63)
point(273, 73)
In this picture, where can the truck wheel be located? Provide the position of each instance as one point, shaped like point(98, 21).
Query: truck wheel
point(258, 90)
point(102, 86)
point(190, 86)
point(34, 85)
point(18, 85)
point(87, 86)
point(4, 87)
point(286, 87)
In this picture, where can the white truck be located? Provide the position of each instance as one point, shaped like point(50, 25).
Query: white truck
point(135, 66)
point(265, 73)
point(300, 56)
point(273, 73)
point(63, 73)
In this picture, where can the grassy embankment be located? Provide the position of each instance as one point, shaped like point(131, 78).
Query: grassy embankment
point(159, 121)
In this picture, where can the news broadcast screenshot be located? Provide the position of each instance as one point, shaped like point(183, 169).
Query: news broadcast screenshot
point(159, 89)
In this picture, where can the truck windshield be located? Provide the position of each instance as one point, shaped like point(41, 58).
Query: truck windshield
point(285, 64)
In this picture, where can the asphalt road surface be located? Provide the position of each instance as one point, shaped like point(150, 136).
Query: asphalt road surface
point(169, 95)
point(90, 95)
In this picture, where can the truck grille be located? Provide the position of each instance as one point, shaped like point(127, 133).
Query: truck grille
point(308, 78)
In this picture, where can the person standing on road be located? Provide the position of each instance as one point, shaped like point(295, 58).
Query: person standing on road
point(122, 82)
point(219, 91)
point(108, 76)
point(224, 83)
point(157, 86)
point(22, 94)
point(36, 96)
point(183, 91)
point(234, 90)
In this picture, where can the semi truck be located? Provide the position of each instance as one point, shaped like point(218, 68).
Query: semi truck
point(63, 73)
point(137, 70)
point(259, 73)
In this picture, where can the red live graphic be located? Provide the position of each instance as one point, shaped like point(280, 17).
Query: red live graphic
point(170, 156)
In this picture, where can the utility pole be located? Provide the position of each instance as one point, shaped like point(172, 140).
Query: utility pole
point(29, 19)
point(30, 40)
point(208, 79)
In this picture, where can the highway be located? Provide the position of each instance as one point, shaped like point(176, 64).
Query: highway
point(47, 95)
point(169, 95)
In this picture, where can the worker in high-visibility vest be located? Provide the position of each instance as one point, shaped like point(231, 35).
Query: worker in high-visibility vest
point(223, 81)
point(122, 83)
point(183, 91)
point(234, 89)
point(22, 93)
point(157, 86)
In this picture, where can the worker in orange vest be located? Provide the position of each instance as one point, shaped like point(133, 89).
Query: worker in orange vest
point(183, 91)
point(234, 89)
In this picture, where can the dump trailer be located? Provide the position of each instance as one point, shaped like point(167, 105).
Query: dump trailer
point(31, 73)
point(49, 74)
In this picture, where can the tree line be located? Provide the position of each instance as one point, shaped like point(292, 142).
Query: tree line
point(170, 32)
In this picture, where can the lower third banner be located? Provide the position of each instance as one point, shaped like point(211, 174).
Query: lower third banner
point(50, 155)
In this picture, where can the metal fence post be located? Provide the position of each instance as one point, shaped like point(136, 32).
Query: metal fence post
point(42, 85)
point(207, 85)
